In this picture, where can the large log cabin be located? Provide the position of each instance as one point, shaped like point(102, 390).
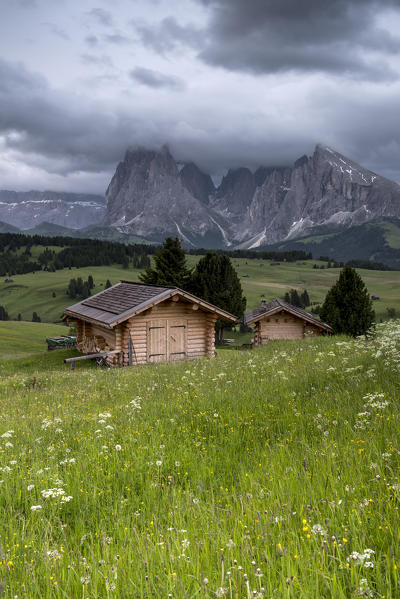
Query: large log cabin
point(280, 320)
point(146, 323)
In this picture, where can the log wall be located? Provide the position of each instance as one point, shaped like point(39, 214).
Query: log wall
point(283, 326)
point(199, 335)
point(196, 340)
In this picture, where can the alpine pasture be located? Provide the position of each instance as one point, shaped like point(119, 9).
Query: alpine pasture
point(34, 291)
point(266, 473)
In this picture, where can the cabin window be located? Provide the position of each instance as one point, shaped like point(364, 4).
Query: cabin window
point(276, 319)
point(267, 319)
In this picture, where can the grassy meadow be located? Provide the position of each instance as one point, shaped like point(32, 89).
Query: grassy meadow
point(268, 473)
point(24, 338)
point(34, 291)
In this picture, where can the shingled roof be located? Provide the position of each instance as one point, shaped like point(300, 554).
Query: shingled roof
point(127, 298)
point(276, 306)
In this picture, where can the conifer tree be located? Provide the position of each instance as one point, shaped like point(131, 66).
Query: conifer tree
point(305, 299)
point(170, 267)
point(71, 291)
point(216, 281)
point(348, 306)
point(108, 284)
point(295, 298)
point(3, 313)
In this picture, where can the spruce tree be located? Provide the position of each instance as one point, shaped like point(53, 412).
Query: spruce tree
point(72, 290)
point(348, 306)
point(170, 267)
point(295, 298)
point(216, 281)
point(108, 284)
point(305, 299)
point(3, 313)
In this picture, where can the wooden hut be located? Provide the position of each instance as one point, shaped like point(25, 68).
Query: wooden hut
point(280, 320)
point(146, 323)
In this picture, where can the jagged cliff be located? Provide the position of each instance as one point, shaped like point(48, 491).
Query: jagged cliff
point(151, 196)
point(326, 189)
point(26, 209)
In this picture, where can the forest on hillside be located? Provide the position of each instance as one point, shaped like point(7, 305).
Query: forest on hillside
point(21, 254)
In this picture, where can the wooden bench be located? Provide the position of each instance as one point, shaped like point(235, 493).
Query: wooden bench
point(98, 356)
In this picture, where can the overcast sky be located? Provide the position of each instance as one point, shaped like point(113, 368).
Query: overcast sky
point(223, 82)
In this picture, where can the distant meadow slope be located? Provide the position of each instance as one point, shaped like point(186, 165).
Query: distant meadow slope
point(260, 279)
point(268, 473)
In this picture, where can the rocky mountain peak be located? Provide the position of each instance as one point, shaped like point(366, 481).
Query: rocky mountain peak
point(234, 194)
point(152, 196)
point(199, 184)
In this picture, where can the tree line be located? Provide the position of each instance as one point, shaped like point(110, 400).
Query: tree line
point(284, 256)
point(5, 316)
point(75, 253)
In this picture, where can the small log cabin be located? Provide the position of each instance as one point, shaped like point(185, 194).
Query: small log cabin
point(280, 320)
point(147, 323)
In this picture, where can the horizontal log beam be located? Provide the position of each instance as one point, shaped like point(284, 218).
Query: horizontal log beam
point(93, 356)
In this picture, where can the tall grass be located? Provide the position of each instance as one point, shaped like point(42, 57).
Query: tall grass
point(272, 473)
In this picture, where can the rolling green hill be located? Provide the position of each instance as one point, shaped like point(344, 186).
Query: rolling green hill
point(24, 338)
point(377, 241)
point(34, 291)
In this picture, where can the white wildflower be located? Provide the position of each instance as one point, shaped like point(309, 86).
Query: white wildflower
point(318, 530)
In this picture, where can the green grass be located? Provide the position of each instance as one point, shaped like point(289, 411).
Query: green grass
point(392, 234)
point(33, 292)
point(377, 241)
point(24, 338)
point(273, 469)
point(274, 281)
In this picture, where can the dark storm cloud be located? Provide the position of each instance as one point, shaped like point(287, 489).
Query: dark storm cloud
point(168, 34)
point(67, 134)
point(56, 30)
point(103, 17)
point(155, 79)
point(269, 36)
point(58, 131)
point(27, 3)
point(96, 60)
point(116, 38)
point(92, 40)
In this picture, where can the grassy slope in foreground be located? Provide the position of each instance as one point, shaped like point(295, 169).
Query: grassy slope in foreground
point(276, 469)
point(34, 292)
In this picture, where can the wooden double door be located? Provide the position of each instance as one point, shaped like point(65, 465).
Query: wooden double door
point(166, 340)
